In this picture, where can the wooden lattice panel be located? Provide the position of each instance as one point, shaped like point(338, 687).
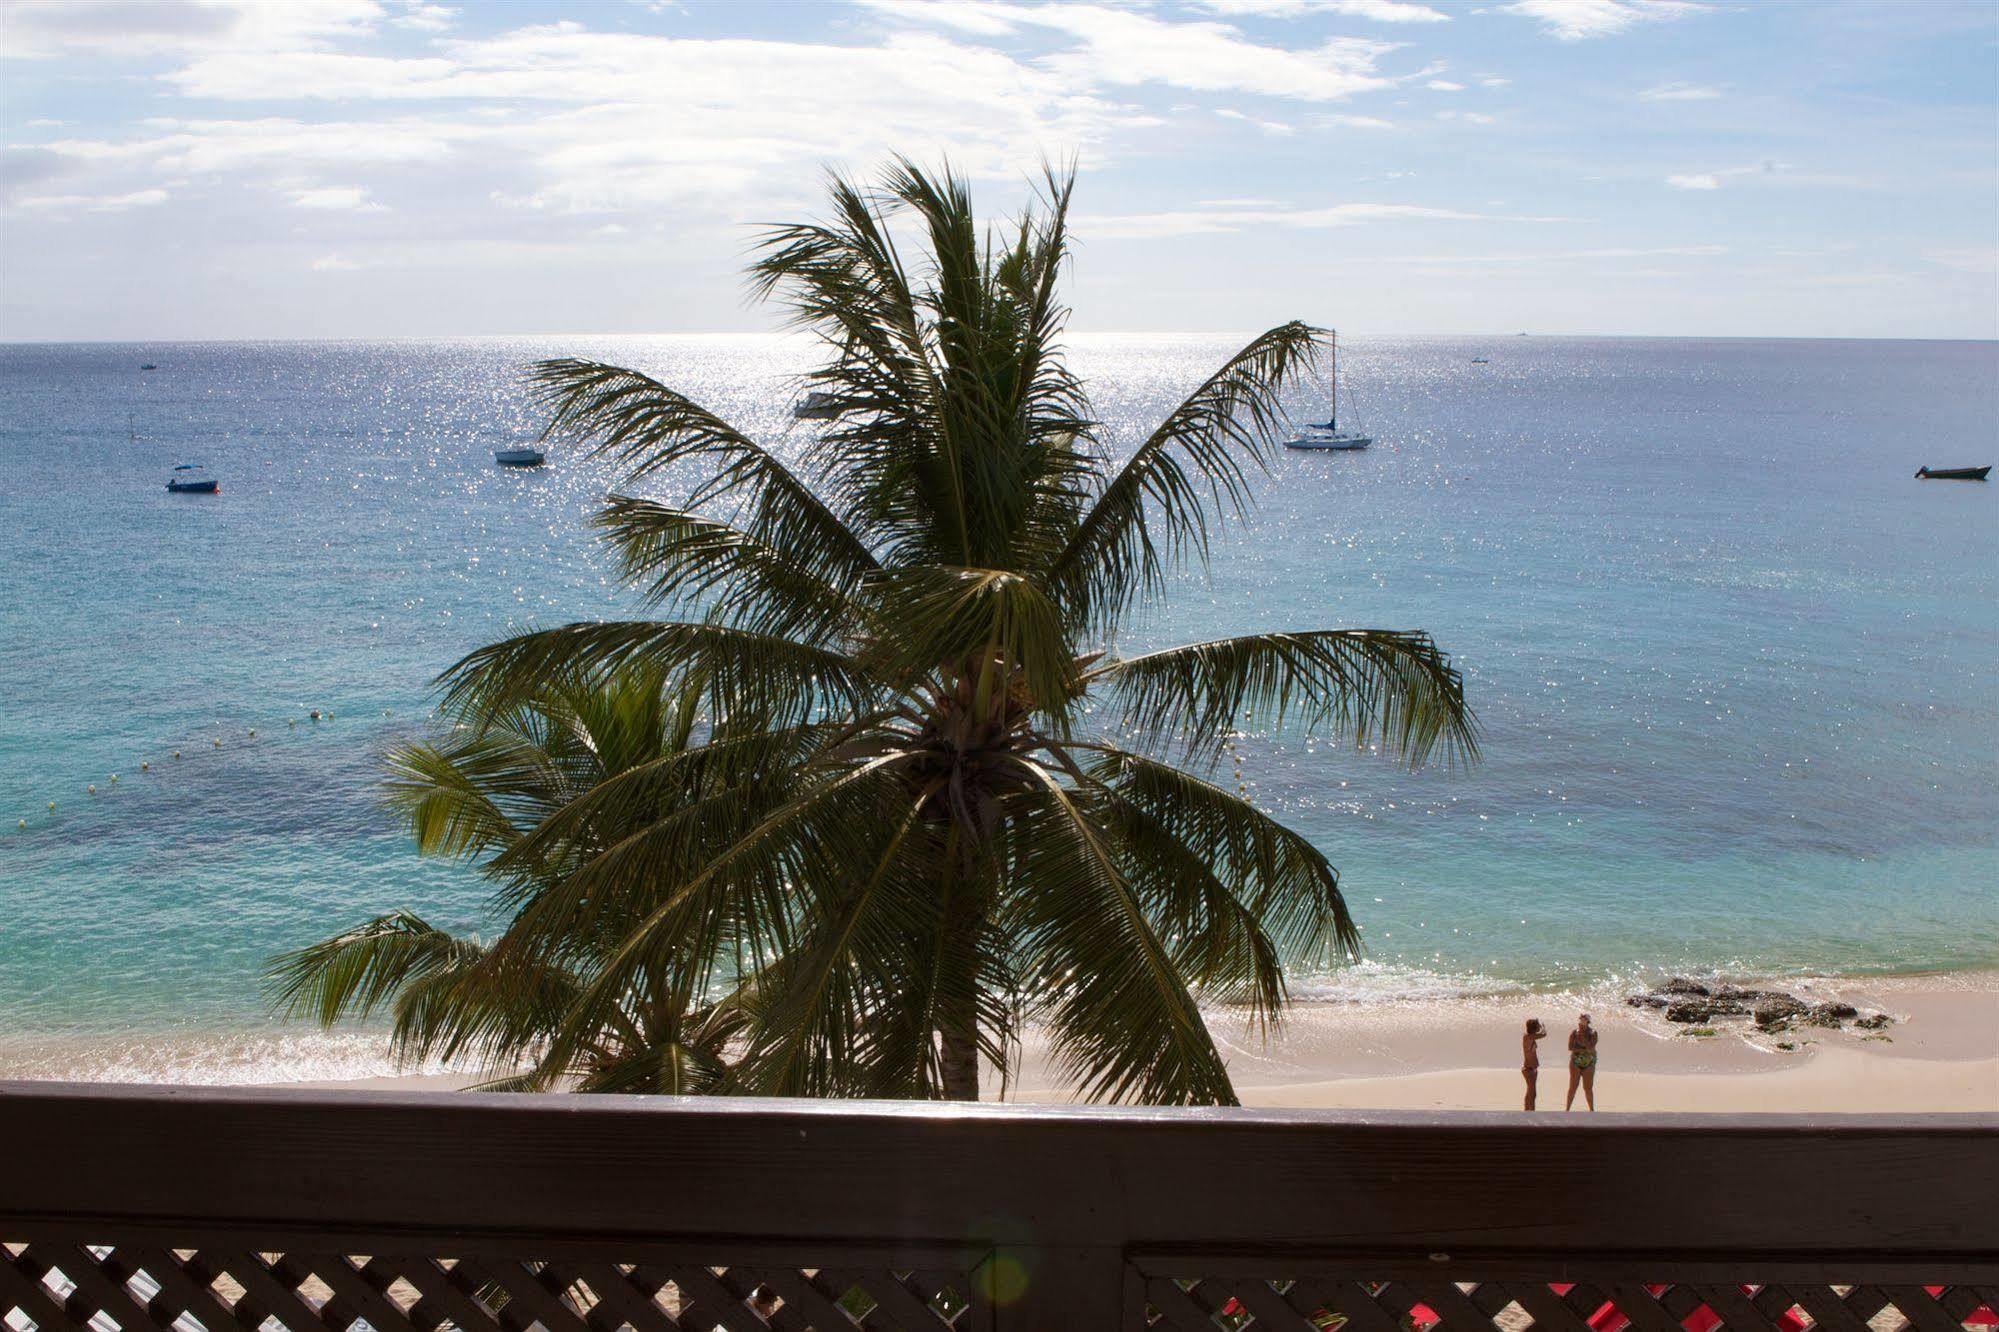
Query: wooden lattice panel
point(1245, 1304)
point(125, 1289)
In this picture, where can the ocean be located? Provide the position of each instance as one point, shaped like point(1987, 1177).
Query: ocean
point(1737, 671)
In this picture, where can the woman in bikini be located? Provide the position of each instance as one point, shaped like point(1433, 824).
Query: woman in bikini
point(1530, 1058)
point(1582, 1063)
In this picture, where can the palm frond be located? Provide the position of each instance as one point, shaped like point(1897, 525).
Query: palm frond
point(1380, 688)
point(493, 1010)
point(1283, 880)
point(744, 672)
point(964, 619)
point(1188, 474)
point(354, 972)
point(649, 427)
point(683, 561)
point(1120, 1019)
point(472, 794)
point(741, 892)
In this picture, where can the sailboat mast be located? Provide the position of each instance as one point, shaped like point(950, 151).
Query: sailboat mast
point(1333, 377)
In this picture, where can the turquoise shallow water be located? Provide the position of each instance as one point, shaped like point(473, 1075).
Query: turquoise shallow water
point(1738, 672)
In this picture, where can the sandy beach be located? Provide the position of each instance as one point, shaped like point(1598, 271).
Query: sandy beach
point(1941, 1054)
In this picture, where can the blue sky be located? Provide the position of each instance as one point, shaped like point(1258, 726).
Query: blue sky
point(365, 168)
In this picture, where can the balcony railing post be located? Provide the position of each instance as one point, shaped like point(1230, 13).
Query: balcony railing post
point(1059, 1289)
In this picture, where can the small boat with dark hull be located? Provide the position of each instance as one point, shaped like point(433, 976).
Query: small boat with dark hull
point(1951, 473)
point(818, 407)
point(191, 479)
point(520, 455)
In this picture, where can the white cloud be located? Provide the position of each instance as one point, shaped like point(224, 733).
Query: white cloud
point(1527, 258)
point(334, 263)
point(1352, 122)
point(95, 203)
point(1210, 221)
point(337, 198)
point(1768, 172)
point(1469, 117)
point(1277, 127)
point(1123, 47)
point(41, 28)
point(980, 20)
point(562, 119)
point(204, 146)
point(1444, 85)
point(1577, 20)
point(1967, 260)
point(1381, 11)
point(1493, 81)
point(1680, 92)
point(424, 17)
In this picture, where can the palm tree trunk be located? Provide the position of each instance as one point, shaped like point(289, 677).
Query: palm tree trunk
point(958, 1016)
point(961, 1062)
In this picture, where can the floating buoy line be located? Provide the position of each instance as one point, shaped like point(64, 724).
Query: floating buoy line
point(313, 715)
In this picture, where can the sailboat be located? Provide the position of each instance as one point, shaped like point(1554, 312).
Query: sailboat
point(1329, 435)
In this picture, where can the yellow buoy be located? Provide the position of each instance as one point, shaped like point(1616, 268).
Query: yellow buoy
point(52, 806)
point(24, 823)
point(176, 753)
point(145, 767)
point(92, 788)
point(216, 743)
point(114, 776)
point(253, 730)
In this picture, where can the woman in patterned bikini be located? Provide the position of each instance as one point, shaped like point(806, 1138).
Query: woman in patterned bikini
point(1582, 1063)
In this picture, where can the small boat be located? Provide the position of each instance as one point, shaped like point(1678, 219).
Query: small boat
point(1480, 360)
point(817, 407)
point(191, 479)
point(520, 455)
point(1951, 473)
point(1329, 436)
point(149, 366)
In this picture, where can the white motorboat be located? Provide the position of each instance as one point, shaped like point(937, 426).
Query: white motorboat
point(1327, 435)
point(519, 455)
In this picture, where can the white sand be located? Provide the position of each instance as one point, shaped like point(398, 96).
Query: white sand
point(1942, 1054)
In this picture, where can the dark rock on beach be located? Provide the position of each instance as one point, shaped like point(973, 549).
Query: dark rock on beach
point(1688, 1001)
point(1702, 1010)
point(1775, 1009)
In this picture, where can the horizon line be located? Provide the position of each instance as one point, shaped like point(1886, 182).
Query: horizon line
point(779, 334)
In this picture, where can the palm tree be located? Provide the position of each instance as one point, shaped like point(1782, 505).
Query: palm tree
point(937, 806)
point(475, 795)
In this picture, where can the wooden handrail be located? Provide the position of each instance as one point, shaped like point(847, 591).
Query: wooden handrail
point(1090, 1199)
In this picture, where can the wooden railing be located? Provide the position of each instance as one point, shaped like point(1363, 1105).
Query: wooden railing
point(134, 1208)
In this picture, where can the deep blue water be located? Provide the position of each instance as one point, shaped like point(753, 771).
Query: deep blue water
point(1738, 672)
